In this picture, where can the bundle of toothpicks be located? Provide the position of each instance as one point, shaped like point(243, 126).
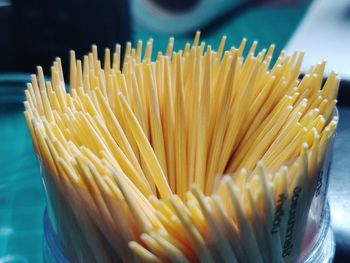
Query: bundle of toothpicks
point(195, 155)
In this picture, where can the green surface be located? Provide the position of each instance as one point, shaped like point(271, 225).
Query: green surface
point(21, 196)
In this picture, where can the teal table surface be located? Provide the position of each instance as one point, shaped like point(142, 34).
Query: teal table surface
point(21, 197)
point(22, 200)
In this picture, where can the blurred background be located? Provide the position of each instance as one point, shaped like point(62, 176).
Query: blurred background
point(34, 32)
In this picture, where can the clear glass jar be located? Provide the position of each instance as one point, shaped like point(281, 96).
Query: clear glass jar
point(59, 219)
point(52, 249)
point(322, 252)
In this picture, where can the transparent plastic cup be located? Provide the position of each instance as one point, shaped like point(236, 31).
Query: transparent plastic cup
point(60, 241)
point(322, 251)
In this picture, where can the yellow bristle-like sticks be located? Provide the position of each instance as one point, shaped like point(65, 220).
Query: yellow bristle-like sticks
point(185, 158)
